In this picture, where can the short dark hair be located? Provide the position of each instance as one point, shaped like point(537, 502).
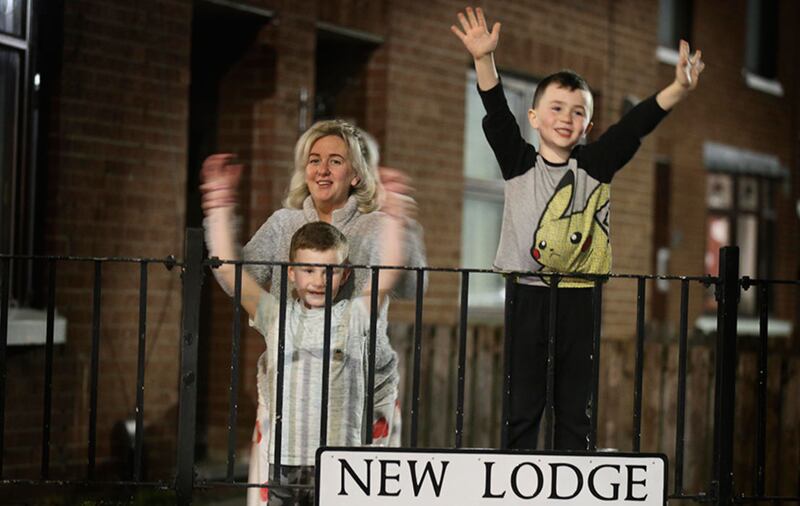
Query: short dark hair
point(318, 236)
point(565, 78)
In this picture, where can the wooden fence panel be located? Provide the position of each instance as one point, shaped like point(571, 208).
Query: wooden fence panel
point(483, 401)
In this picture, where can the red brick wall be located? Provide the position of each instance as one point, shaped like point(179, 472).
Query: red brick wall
point(115, 187)
point(119, 154)
point(724, 110)
point(416, 83)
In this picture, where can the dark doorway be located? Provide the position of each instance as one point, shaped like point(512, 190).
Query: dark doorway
point(222, 31)
point(220, 35)
point(341, 74)
point(661, 240)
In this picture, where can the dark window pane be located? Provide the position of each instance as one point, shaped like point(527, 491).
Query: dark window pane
point(762, 38)
point(12, 16)
point(748, 194)
point(769, 39)
point(674, 22)
point(9, 99)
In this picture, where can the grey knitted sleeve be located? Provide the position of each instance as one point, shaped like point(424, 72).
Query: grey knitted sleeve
point(263, 246)
point(406, 287)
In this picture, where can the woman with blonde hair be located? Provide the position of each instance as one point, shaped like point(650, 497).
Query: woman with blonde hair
point(336, 179)
point(361, 148)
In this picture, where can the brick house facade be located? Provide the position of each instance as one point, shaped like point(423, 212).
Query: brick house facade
point(144, 90)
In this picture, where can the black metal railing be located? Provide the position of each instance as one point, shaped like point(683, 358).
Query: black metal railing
point(51, 263)
point(728, 285)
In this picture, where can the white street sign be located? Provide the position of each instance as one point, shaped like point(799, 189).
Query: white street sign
point(393, 476)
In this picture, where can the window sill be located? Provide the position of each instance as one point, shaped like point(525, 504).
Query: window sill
point(28, 326)
point(763, 84)
point(667, 55)
point(746, 326)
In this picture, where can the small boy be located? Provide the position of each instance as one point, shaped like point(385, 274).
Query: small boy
point(313, 243)
point(556, 219)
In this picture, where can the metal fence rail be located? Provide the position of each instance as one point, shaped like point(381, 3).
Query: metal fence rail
point(51, 263)
point(728, 284)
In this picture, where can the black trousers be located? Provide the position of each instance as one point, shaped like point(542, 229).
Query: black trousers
point(530, 314)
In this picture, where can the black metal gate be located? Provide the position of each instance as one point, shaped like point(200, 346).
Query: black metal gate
point(728, 286)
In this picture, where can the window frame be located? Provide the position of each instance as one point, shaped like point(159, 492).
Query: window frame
point(764, 214)
point(675, 22)
point(19, 233)
point(761, 47)
point(492, 190)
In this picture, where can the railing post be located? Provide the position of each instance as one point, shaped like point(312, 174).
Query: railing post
point(725, 396)
point(507, 337)
point(187, 401)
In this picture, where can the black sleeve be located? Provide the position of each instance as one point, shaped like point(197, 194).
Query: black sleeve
point(604, 157)
point(512, 151)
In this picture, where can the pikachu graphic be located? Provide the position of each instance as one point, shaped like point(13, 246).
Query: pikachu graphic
point(569, 240)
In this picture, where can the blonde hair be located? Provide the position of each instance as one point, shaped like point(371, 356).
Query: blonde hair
point(361, 153)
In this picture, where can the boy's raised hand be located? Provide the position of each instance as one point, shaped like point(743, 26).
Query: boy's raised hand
point(220, 181)
point(688, 68)
point(687, 74)
point(476, 37)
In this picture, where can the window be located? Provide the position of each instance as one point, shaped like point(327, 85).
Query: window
point(12, 16)
point(9, 121)
point(740, 212)
point(17, 190)
point(740, 192)
point(674, 24)
point(483, 189)
point(762, 38)
point(761, 50)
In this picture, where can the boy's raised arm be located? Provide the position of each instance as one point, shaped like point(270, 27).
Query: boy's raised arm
point(513, 153)
point(219, 188)
point(480, 43)
point(619, 143)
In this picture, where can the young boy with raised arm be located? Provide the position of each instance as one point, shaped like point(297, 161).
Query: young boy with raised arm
point(556, 219)
point(313, 243)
